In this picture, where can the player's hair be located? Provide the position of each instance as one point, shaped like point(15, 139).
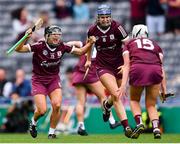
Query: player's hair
point(139, 30)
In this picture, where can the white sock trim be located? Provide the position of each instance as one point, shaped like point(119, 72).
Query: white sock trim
point(33, 121)
point(81, 124)
point(156, 129)
point(51, 130)
point(111, 120)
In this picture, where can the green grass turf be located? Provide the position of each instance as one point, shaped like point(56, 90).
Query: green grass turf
point(101, 138)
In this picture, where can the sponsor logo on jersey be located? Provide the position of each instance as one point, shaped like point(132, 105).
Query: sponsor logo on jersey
point(48, 64)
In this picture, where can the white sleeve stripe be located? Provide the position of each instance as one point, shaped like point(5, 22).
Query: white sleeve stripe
point(160, 54)
point(72, 50)
point(123, 32)
point(29, 47)
point(125, 52)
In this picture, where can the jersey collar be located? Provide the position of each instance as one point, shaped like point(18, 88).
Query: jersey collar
point(104, 31)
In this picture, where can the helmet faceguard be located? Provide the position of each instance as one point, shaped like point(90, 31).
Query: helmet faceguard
point(104, 16)
point(53, 30)
point(139, 31)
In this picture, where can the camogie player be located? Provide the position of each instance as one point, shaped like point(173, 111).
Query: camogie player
point(47, 56)
point(83, 85)
point(143, 65)
point(110, 35)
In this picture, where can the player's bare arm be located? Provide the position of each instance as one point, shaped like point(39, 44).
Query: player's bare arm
point(125, 75)
point(22, 48)
point(77, 44)
point(84, 49)
point(163, 83)
point(87, 64)
point(88, 56)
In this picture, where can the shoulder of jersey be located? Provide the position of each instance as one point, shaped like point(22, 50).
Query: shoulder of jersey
point(92, 27)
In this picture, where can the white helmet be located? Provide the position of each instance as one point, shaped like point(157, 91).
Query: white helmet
point(139, 30)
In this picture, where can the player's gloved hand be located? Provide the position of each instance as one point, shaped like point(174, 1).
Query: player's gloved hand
point(92, 39)
point(164, 96)
point(29, 32)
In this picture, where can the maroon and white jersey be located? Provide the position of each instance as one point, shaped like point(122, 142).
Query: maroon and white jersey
point(108, 44)
point(143, 50)
point(46, 61)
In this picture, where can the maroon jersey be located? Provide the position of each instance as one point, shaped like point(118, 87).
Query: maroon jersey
point(108, 45)
point(143, 50)
point(46, 62)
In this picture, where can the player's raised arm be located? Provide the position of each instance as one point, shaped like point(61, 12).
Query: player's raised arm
point(84, 49)
point(22, 47)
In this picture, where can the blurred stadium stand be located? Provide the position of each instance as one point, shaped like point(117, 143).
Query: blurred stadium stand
point(77, 31)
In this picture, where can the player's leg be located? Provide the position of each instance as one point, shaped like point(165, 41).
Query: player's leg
point(98, 89)
point(40, 110)
point(68, 114)
point(135, 96)
point(81, 99)
point(39, 94)
point(152, 93)
point(56, 99)
point(110, 83)
point(61, 127)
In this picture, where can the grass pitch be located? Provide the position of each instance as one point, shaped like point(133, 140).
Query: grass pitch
point(101, 138)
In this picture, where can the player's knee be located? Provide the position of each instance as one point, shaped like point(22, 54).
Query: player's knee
point(82, 102)
point(42, 111)
point(56, 105)
point(79, 107)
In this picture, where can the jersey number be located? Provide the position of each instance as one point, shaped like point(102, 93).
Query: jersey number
point(145, 44)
